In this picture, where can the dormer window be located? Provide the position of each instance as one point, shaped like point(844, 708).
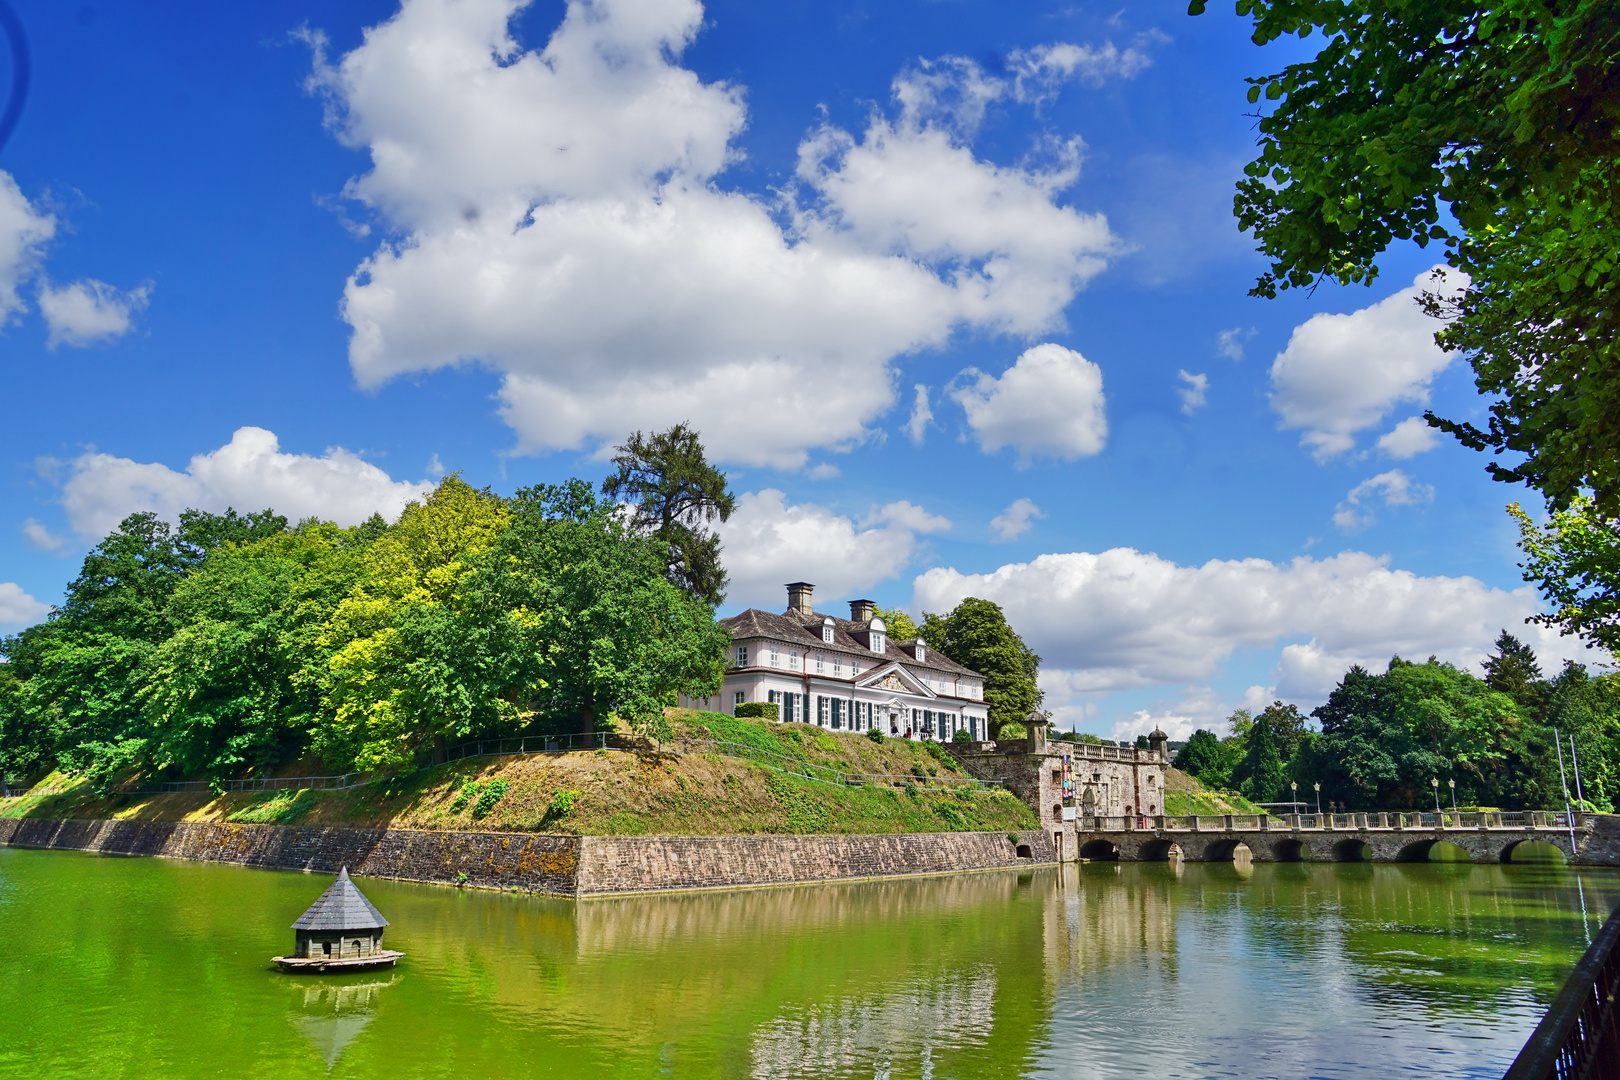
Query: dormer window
point(877, 638)
point(922, 653)
point(827, 630)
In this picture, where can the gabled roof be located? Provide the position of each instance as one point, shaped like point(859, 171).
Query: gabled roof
point(341, 907)
point(806, 632)
point(876, 676)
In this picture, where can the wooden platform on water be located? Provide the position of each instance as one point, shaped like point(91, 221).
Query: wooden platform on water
point(318, 964)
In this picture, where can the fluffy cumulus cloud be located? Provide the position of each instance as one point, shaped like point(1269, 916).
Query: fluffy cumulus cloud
point(1342, 374)
point(561, 222)
point(1409, 438)
point(248, 473)
point(89, 312)
point(1048, 404)
point(17, 608)
point(1039, 71)
point(1393, 488)
point(1123, 618)
point(24, 231)
point(769, 542)
point(1016, 520)
point(921, 415)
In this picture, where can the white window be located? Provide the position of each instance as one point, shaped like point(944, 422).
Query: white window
point(854, 667)
point(821, 710)
point(838, 667)
point(742, 656)
point(776, 655)
point(793, 659)
point(821, 663)
point(877, 639)
point(922, 653)
point(739, 697)
point(827, 631)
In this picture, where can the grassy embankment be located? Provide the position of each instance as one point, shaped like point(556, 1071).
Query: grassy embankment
point(612, 793)
point(1185, 795)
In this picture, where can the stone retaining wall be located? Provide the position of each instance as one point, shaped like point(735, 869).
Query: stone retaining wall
point(563, 865)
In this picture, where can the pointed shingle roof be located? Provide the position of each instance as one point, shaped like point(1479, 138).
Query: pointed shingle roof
point(341, 907)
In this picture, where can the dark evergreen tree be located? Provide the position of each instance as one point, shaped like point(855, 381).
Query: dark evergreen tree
point(675, 493)
point(1260, 775)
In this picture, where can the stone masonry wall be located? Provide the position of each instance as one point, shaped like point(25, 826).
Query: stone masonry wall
point(564, 865)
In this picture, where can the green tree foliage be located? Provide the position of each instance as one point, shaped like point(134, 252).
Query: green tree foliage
point(897, 624)
point(675, 494)
point(1260, 775)
point(590, 621)
point(1200, 758)
point(232, 644)
point(976, 635)
point(1575, 563)
point(1509, 113)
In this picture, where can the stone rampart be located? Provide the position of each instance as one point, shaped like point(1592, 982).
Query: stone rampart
point(562, 865)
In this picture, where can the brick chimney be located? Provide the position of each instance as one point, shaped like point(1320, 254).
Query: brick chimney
point(861, 611)
point(799, 598)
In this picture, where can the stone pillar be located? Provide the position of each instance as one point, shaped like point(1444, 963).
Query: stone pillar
point(1265, 822)
point(1383, 821)
point(1226, 822)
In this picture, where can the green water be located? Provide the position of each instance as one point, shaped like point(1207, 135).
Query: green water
point(151, 968)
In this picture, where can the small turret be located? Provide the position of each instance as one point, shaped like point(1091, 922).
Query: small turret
point(1158, 742)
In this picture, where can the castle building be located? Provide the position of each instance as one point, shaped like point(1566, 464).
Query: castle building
point(846, 674)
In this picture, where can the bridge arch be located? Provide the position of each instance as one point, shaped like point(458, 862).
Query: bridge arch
point(1290, 850)
point(1534, 851)
point(1099, 850)
point(1226, 851)
point(1433, 851)
point(1352, 851)
point(1158, 851)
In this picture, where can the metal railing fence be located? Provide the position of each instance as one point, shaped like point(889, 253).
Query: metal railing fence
point(1579, 1038)
point(529, 744)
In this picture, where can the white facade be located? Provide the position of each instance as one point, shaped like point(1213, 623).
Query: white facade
point(846, 674)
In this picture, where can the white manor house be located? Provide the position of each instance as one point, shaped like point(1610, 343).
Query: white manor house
point(846, 673)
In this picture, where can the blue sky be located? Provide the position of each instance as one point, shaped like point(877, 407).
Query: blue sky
point(312, 256)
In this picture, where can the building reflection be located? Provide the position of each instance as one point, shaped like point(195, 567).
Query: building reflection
point(332, 1015)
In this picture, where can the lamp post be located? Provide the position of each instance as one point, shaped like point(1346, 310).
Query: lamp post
point(1434, 782)
point(1452, 784)
point(1318, 787)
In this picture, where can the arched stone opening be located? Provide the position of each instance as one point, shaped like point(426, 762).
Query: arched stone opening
point(1290, 851)
point(1442, 851)
point(1158, 851)
point(1537, 852)
point(1352, 851)
point(1024, 851)
point(1099, 851)
point(1228, 851)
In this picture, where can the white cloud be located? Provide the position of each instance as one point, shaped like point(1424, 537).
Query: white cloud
point(825, 471)
point(1409, 438)
point(1342, 374)
point(24, 231)
point(1123, 618)
point(1038, 72)
point(40, 537)
point(1192, 394)
point(1394, 487)
point(1196, 707)
point(89, 311)
point(562, 225)
point(17, 608)
point(908, 516)
point(921, 415)
point(1048, 404)
point(1016, 520)
point(768, 542)
point(1229, 343)
point(249, 473)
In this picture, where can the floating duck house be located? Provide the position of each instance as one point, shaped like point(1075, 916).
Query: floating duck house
point(341, 931)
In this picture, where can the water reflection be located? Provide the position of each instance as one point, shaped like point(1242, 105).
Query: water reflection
point(1102, 970)
point(332, 1016)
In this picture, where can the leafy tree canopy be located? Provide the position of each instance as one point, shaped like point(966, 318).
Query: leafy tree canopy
point(675, 494)
point(1200, 757)
point(1575, 563)
point(1507, 112)
point(976, 635)
point(897, 624)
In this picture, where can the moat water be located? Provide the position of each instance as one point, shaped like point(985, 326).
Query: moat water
point(115, 967)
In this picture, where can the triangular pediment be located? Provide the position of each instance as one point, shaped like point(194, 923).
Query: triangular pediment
point(894, 677)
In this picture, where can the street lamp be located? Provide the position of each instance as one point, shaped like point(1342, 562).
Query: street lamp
point(1434, 782)
point(1318, 787)
point(1452, 784)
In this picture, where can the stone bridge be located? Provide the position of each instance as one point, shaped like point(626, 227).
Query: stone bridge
point(1591, 839)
